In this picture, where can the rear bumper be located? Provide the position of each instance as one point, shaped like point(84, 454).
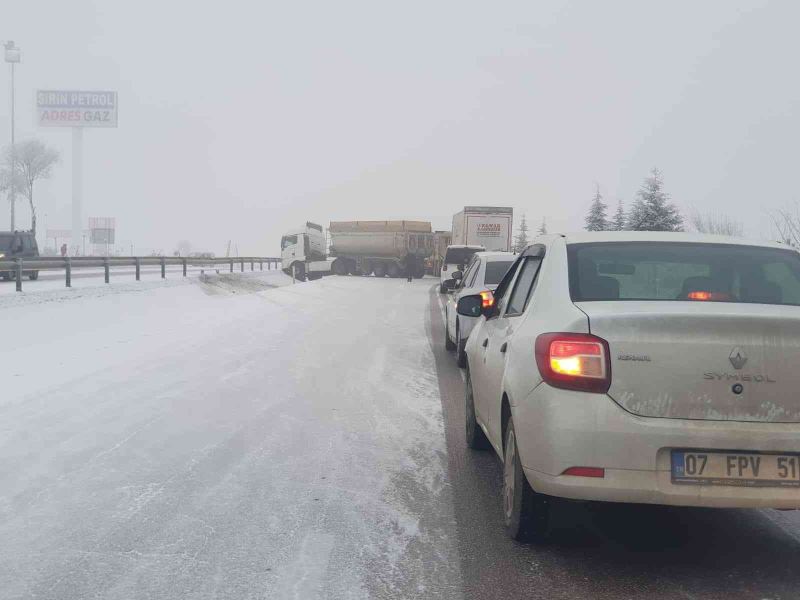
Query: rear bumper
point(558, 429)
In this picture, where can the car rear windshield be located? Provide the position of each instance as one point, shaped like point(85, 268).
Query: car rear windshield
point(683, 271)
point(495, 271)
point(459, 256)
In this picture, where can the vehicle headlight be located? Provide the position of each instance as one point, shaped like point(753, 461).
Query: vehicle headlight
point(2, 255)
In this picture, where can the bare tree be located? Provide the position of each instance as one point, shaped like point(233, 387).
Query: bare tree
point(787, 223)
point(34, 161)
point(715, 223)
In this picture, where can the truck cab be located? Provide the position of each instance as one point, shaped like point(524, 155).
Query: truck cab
point(300, 247)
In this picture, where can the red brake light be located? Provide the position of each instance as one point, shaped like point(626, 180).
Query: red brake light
point(585, 472)
point(487, 299)
point(712, 296)
point(574, 361)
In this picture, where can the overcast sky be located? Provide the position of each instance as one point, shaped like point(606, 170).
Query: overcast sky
point(241, 119)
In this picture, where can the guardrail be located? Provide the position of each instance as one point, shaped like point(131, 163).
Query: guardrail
point(19, 267)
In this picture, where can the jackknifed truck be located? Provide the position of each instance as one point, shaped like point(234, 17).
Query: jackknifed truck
point(379, 248)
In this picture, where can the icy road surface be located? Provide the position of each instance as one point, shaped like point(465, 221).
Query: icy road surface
point(182, 441)
point(243, 437)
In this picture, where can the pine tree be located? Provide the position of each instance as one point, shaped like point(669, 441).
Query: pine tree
point(596, 217)
point(521, 240)
point(652, 210)
point(543, 227)
point(619, 221)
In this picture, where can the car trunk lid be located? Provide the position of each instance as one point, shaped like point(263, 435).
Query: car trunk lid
point(702, 360)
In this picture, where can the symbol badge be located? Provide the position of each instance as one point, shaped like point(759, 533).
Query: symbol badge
point(738, 358)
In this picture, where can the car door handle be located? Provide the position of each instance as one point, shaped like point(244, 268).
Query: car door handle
point(504, 347)
point(485, 342)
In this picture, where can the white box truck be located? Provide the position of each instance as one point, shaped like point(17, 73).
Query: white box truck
point(490, 227)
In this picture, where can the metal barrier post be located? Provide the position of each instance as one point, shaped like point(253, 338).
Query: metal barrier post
point(163, 268)
point(242, 261)
point(251, 266)
point(184, 267)
point(105, 267)
point(68, 270)
point(261, 265)
point(231, 265)
point(18, 269)
point(138, 268)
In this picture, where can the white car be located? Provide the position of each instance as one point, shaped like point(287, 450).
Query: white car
point(455, 259)
point(658, 368)
point(483, 274)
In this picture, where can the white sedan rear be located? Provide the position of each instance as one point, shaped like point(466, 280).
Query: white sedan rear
point(639, 367)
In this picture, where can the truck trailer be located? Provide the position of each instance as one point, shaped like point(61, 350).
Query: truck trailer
point(377, 248)
point(490, 227)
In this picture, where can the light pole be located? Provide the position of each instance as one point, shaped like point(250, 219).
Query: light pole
point(12, 57)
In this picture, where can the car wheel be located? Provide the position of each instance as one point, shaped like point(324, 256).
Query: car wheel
point(34, 275)
point(461, 348)
point(448, 345)
point(527, 514)
point(476, 439)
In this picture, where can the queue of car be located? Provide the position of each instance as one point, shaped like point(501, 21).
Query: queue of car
point(642, 367)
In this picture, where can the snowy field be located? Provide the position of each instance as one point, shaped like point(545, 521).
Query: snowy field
point(240, 437)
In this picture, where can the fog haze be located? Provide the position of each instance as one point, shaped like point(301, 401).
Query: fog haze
point(239, 120)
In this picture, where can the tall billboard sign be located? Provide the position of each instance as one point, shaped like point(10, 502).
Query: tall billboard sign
point(77, 110)
point(69, 108)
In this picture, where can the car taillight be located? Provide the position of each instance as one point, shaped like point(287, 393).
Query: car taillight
point(574, 361)
point(487, 299)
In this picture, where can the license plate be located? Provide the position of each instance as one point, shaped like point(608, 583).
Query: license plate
point(745, 469)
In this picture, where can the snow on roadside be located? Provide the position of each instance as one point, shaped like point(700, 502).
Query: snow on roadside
point(191, 440)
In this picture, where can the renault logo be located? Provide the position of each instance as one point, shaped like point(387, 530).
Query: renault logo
point(738, 358)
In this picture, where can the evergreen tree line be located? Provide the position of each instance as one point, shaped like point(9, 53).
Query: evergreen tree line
point(521, 240)
point(651, 210)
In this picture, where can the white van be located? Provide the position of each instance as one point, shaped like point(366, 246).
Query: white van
point(455, 259)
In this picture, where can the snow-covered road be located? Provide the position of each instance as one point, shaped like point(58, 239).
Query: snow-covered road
point(185, 441)
point(243, 437)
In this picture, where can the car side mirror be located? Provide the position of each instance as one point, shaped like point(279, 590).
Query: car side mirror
point(457, 275)
point(470, 306)
point(450, 284)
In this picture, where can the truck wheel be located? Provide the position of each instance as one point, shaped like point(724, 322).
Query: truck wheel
point(379, 270)
point(419, 271)
point(339, 267)
point(527, 514)
point(299, 271)
point(33, 275)
point(393, 270)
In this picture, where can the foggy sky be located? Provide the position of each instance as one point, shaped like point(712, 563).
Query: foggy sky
point(239, 120)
